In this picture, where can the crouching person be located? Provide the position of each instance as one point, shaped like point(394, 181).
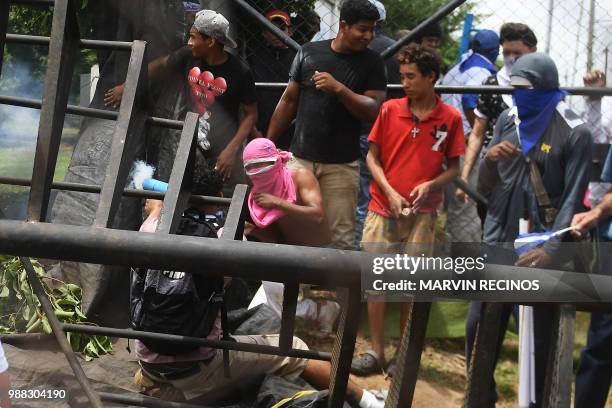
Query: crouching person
point(286, 207)
point(185, 304)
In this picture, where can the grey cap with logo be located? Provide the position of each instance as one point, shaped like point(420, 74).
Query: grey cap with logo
point(213, 24)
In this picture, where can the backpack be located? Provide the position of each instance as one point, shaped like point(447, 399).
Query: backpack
point(176, 302)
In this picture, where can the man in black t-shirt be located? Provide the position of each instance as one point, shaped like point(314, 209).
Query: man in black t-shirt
point(228, 130)
point(334, 86)
point(270, 61)
point(234, 113)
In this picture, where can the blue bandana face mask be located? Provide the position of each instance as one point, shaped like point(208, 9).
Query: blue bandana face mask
point(536, 108)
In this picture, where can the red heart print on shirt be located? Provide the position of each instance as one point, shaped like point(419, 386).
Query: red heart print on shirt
point(204, 88)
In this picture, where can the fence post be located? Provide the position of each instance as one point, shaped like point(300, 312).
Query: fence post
point(482, 365)
point(409, 357)
point(344, 345)
point(558, 388)
point(63, 49)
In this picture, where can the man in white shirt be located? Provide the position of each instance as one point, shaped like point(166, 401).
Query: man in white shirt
point(474, 68)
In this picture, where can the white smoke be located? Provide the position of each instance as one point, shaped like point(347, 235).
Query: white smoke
point(18, 126)
point(140, 171)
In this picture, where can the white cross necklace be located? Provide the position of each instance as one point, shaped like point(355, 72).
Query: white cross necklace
point(415, 131)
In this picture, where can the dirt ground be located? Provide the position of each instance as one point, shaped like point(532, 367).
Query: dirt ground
point(432, 389)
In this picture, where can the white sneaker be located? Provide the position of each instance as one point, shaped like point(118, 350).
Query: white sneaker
point(328, 313)
point(373, 399)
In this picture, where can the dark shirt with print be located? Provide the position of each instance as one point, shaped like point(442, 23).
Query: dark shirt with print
point(225, 112)
point(325, 131)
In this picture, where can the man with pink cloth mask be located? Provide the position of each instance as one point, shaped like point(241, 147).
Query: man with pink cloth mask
point(286, 207)
point(285, 204)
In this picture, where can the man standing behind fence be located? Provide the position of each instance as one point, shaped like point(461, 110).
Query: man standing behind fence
point(516, 39)
point(409, 142)
point(463, 223)
point(538, 165)
point(271, 61)
point(334, 86)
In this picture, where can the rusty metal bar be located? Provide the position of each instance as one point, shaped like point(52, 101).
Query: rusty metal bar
point(56, 328)
point(482, 364)
point(87, 112)
point(404, 380)
point(234, 222)
point(290, 295)
point(262, 21)
point(128, 192)
point(344, 344)
point(471, 191)
point(82, 43)
point(482, 89)
point(62, 56)
point(4, 13)
point(434, 18)
point(251, 260)
point(233, 230)
point(191, 341)
point(126, 138)
point(558, 387)
point(32, 2)
point(179, 185)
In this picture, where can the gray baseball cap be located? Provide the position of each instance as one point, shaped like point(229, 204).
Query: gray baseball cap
point(213, 24)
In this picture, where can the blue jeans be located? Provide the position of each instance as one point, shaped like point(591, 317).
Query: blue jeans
point(364, 189)
point(595, 366)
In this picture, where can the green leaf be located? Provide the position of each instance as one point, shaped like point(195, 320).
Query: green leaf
point(79, 313)
point(4, 292)
point(75, 341)
point(74, 289)
point(103, 343)
point(91, 349)
point(67, 300)
point(63, 314)
point(25, 312)
point(46, 326)
point(35, 326)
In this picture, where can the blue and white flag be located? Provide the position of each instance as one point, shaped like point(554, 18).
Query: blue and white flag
point(526, 242)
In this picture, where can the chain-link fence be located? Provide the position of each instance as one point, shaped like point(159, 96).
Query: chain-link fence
point(576, 33)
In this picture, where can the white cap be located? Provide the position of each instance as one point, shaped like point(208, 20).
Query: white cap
point(382, 12)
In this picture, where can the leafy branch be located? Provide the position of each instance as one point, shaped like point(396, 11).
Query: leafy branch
point(20, 310)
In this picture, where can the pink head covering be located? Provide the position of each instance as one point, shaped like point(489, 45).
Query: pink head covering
point(272, 177)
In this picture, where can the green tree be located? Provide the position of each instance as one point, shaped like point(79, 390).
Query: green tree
point(31, 20)
point(407, 14)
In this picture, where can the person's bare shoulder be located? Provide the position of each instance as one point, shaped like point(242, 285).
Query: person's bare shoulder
point(302, 174)
point(305, 179)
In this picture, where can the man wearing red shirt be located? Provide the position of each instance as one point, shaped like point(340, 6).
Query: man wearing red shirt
point(410, 141)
